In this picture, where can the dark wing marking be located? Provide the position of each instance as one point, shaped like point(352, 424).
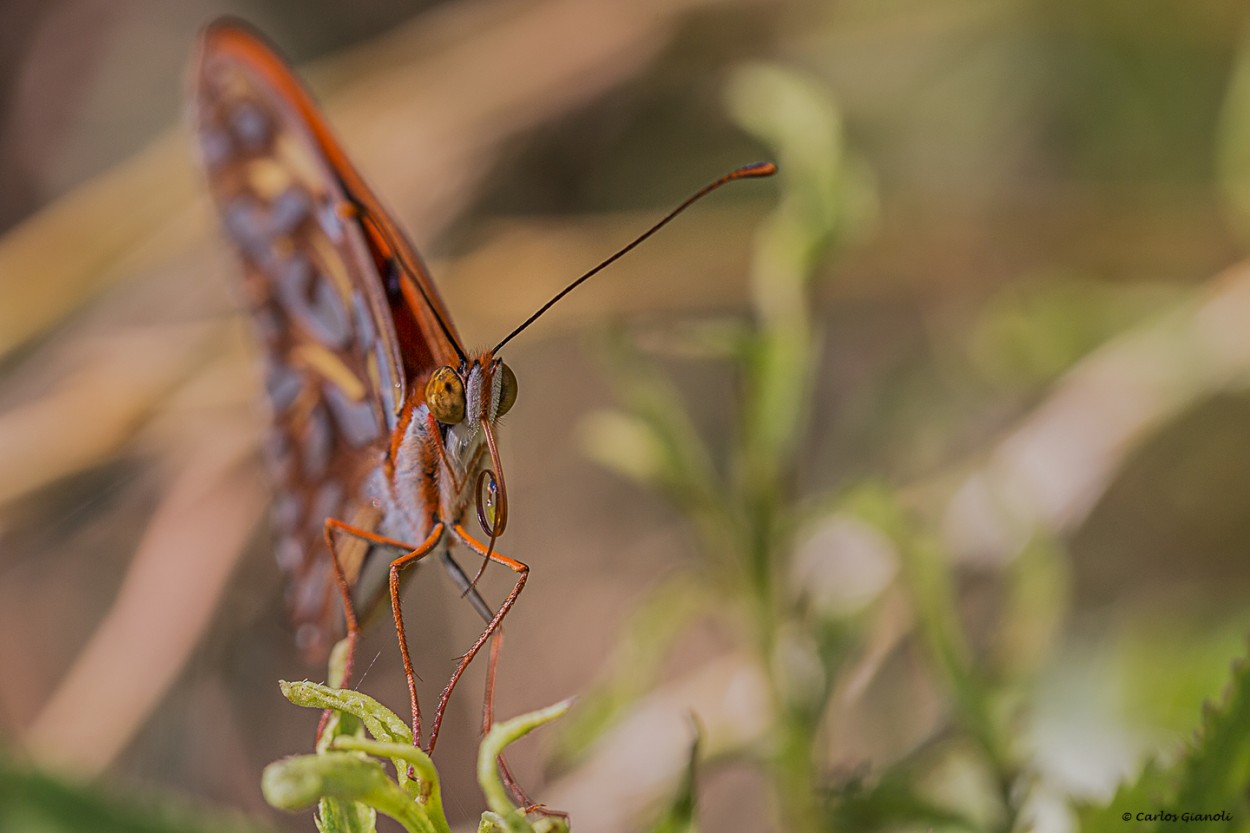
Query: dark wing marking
point(333, 368)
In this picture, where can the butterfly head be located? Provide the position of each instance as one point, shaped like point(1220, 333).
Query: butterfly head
point(467, 401)
point(484, 389)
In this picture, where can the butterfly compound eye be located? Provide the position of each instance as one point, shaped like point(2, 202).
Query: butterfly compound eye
point(507, 390)
point(444, 393)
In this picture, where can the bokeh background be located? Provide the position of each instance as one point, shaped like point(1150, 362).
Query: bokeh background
point(1030, 330)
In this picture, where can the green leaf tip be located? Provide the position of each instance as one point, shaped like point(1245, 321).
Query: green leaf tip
point(381, 722)
point(497, 739)
point(679, 815)
point(1211, 772)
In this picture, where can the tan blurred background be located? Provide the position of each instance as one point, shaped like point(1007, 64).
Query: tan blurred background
point(1036, 323)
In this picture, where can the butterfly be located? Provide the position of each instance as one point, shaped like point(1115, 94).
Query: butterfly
point(382, 432)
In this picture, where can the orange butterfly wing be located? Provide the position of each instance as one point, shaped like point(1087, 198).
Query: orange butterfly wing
point(346, 312)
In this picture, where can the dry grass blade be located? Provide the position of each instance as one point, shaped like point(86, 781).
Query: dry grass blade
point(168, 597)
point(46, 280)
point(118, 381)
point(1051, 471)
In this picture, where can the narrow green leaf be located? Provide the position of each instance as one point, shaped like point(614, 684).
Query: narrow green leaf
point(679, 815)
point(380, 721)
point(497, 739)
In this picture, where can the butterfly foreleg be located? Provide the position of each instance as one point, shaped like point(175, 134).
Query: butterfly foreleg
point(494, 632)
point(522, 570)
point(344, 585)
point(415, 555)
point(461, 580)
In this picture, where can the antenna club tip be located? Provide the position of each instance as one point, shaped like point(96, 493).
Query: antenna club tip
point(756, 169)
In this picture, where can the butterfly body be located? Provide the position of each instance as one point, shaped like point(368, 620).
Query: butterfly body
point(382, 426)
point(350, 325)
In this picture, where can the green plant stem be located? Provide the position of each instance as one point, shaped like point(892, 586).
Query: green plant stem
point(427, 775)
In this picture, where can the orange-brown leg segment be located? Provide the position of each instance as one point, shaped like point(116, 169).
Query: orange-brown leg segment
point(427, 546)
point(522, 571)
point(345, 593)
point(488, 703)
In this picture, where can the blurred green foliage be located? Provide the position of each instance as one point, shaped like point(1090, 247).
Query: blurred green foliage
point(34, 802)
point(981, 770)
point(1031, 331)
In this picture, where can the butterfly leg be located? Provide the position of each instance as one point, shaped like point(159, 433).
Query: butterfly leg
point(462, 581)
point(522, 570)
point(431, 541)
point(345, 592)
point(493, 631)
point(349, 615)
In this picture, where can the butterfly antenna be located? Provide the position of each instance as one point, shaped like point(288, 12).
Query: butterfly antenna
point(757, 169)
